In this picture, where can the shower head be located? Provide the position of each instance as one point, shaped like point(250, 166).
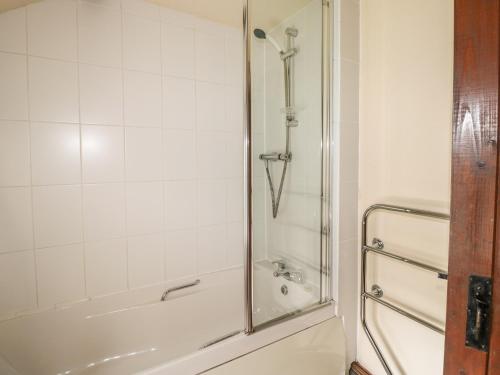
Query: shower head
point(261, 34)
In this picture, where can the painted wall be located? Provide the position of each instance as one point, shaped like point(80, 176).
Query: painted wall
point(120, 150)
point(405, 148)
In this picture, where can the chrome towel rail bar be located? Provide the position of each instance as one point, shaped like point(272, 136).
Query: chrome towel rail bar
point(178, 287)
point(376, 293)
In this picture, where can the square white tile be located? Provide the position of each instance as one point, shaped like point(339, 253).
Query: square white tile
point(17, 282)
point(180, 204)
point(13, 31)
point(234, 200)
point(179, 150)
point(179, 100)
point(16, 219)
point(144, 208)
point(13, 87)
point(180, 254)
point(106, 267)
point(101, 95)
point(104, 211)
point(103, 154)
point(210, 57)
point(143, 154)
point(57, 212)
point(53, 90)
point(234, 109)
point(178, 51)
point(210, 106)
point(60, 275)
point(234, 256)
point(211, 248)
point(212, 202)
point(234, 61)
point(100, 34)
point(145, 260)
point(234, 155)
point(211, 152)
point(14, 154)
point(55, 153)
point(52, 29)
point(142, 44)
point(143, 99)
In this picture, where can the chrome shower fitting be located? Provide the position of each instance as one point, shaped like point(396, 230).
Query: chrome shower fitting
point(287, 57)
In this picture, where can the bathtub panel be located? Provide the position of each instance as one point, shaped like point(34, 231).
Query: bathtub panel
point(319, 350)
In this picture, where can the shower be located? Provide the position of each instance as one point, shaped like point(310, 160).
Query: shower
point(290, 121)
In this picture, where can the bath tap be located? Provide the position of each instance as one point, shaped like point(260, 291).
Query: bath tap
point(281, 270)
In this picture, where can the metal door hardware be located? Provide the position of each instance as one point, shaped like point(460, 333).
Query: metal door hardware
point(477, 333)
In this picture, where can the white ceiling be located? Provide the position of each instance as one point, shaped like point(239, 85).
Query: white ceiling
point(264, 13)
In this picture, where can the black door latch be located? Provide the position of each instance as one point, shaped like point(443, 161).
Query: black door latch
point(477, 334)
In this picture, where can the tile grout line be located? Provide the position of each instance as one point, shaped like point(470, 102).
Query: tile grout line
point(125, 183)
point(197, 158)
point(162, 159)
point(35, 260)
point(82, 196)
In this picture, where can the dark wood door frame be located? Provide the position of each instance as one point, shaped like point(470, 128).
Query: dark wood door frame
point(475, 176)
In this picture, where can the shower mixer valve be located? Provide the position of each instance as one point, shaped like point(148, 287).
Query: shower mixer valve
point(281, 270)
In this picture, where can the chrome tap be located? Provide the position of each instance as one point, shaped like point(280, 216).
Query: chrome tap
point(281, 270)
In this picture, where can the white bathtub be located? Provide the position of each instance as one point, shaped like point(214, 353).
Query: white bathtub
point(134, 332)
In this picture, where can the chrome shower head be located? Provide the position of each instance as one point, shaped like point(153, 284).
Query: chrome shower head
point(261, 34)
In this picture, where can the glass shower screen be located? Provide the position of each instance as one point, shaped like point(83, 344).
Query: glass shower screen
point(287, 128)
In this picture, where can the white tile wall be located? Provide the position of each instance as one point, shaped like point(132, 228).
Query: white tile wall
point(57, 215)
point(13, 80)
point(12, 27)
point(16, 219)
point(101, 91)
point(106, 266)
point(53, 90)
point(142, 95)
point(55, 153)
point(52, 30)
point(14, 153)
point(120, 149)
point(99, 33)
point(17, 282)
point(60, 274)
point(103, 158)
point(145, 260)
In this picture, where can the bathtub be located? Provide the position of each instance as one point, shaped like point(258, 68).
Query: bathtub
point(135, 332)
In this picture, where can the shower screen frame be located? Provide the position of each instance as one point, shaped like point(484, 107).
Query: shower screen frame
point(326, 173)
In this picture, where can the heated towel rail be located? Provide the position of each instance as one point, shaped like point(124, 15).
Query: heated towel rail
point(376, 293)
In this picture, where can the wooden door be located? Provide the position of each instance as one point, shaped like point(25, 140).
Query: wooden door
point(475, 217)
